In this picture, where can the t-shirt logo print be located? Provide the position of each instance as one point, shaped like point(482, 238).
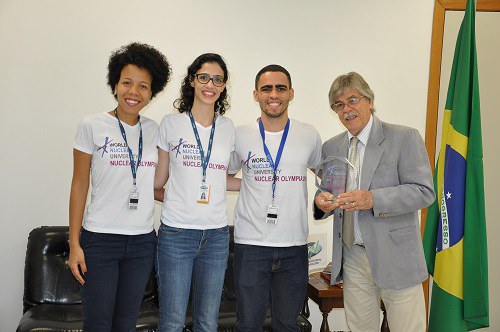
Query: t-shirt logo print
point(106, 142)
point(177, 148)
point(247, 162)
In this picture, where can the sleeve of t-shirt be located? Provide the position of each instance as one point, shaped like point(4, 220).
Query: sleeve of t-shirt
point(231, 142)
point(234, 163)
point(84, 140)
point(315, 158)
point(162, 135)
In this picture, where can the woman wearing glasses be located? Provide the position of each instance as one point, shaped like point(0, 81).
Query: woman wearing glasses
point(112, 256)
point(194, 149)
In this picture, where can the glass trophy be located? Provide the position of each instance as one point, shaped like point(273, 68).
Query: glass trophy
point(333, 172)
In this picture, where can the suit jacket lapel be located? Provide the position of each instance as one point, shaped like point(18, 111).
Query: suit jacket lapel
point(373, 154)
point(344, 146)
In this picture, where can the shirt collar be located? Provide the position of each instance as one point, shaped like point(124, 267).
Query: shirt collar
point(364, 134)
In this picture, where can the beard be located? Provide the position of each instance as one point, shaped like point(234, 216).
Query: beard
point(274, 114)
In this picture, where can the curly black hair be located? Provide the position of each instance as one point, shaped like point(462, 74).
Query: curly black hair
point(185, 102)
point(142, 56)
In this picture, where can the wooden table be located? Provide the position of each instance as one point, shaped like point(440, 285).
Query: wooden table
point(328, 297)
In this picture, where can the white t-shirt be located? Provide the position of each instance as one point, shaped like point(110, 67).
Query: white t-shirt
point(111, 175)
point(302, 150)
point(180, 207)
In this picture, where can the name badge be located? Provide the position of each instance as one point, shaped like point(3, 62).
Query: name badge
point(272, 214)
point(133, 199)
point(204, 193)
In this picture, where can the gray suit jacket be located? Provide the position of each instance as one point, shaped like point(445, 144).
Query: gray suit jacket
point(396, 170)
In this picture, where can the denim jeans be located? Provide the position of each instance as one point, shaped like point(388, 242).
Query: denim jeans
point(118, 269)
point(269, 273)
point(191, 258)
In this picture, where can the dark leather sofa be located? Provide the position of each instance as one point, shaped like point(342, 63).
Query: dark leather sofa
point(51, 300)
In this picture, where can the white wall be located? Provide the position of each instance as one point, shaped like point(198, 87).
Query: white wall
point(488, 53)
point(54, 56)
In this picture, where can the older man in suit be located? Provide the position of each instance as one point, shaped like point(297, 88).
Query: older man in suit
point(377, 247)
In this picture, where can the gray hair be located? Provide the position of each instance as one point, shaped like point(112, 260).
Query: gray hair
point(350, 80)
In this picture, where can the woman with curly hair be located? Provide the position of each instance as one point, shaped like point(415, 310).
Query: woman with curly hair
point(194, 149)
point(112, 255)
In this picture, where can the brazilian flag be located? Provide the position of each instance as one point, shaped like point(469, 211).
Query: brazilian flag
point(455, 231)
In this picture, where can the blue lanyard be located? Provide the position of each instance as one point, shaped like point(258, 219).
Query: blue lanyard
point(204, 161)
point(274, 165)
point(133, 165)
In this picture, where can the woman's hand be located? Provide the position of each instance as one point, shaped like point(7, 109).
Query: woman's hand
point(77, 258)
point(161, 174)
point(77, 199)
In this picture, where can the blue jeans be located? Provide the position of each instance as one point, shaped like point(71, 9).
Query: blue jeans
point(191, 258)
point(269, 273)
point(118, 269)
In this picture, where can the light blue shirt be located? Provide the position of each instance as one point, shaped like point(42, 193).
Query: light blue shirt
point(363, 140)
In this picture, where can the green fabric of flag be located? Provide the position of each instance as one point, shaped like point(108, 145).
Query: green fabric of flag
point(455, 241)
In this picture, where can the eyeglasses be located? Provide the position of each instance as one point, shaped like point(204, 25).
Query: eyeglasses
point(351, 101)
point(204, 78)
